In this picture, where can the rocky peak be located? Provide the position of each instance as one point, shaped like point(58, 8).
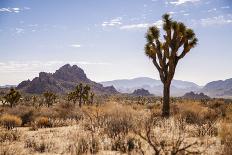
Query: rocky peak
point(192, 95)
point(71, 73)
point(63, 80)
point(141, 92)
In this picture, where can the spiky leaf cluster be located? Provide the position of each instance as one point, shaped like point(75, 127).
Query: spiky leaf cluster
point(178, 41)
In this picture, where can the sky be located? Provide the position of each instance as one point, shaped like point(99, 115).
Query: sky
point(106, 38)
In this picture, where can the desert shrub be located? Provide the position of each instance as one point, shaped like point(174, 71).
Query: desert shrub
point(43, 122)
point(119, 145)
point(7, 149)
point(10, 121)
point(94, 145)
point(125, 145)
point(82, 146)
point(62, 122)
point(40, 145)
point(118, 124)
point(27, 118)
point(190, 116)
point(33, 127)
point(204, 122)
point(9, 135)
point(68, 111)
point(226, 138)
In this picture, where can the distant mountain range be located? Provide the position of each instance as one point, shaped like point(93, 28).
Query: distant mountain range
point(7, 86)
point(219, 88)
point(67, 77)
point(63, 80)
point(178, 87)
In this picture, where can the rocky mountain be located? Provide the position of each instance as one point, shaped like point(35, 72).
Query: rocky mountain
point(178, 87)
point(218, 88)
point(63, 80)
point(141, 92)
point(192, 95)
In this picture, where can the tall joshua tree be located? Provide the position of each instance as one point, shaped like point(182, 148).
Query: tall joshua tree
point(165, 54)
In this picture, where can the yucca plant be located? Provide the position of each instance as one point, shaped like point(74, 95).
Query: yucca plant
point(165, 55)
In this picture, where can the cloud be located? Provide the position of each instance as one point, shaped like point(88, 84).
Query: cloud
point(225, 7)
point(13, 10)
point(141, 25)
point(211, 10)
point(134, 26)
point(113, 22)
point(19, 30)
point(180, 2)
point(38, 66)
point(75, 45)
point(217, 20)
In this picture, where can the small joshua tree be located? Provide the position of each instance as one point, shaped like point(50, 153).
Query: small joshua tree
point(178, 41)
point(80, 94)
point(12, 97)
point(50, 98)
point(91, 97)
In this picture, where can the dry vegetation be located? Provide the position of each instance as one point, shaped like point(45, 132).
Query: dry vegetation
point(116, 125)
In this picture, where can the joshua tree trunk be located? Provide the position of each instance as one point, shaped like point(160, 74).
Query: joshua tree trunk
point(166, 99)
point(80, 102)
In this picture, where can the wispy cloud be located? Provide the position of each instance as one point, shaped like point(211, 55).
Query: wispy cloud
point(141, 25)
point(75, 45)
point(38, 66)
point(19, 30)
point(225, 7)
point(113, 22)
point(179, 2)
point(212, 10)
point(13, 10)
point(217, 20)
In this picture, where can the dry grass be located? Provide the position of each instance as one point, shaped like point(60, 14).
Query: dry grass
point(118, 127)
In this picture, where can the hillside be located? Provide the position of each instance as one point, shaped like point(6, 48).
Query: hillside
point(218, 88)
point(63, 80)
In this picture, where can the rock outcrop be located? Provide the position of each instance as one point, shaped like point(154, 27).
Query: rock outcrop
point(141, 92)
point(192, 95)
point(63, 80)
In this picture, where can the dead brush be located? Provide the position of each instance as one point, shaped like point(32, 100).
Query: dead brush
point(43, 122)
point(9, 135)
point(226, 138)
point(10, 121)
point(165, 136)
point(40, 144)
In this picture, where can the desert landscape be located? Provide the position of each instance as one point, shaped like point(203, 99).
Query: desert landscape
point(62, 105)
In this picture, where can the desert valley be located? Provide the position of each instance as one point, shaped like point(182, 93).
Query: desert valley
point(148, 77)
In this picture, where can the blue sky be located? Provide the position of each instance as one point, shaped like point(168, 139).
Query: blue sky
point(106, 38)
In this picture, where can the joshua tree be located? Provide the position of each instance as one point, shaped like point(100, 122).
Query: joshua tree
point(91, 97)
point(80, 94)
point(34, 100)
point(12, 97)
point(178, 41)
point(50, 98)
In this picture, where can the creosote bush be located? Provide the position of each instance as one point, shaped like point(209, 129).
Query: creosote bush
point(43, 122)
point(10, 121)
